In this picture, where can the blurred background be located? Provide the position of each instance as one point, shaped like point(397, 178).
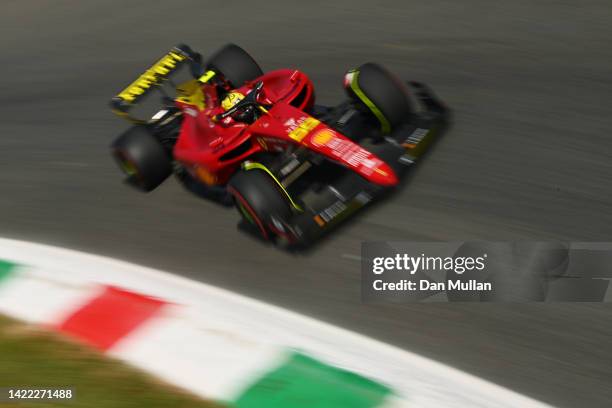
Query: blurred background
point(528, 158)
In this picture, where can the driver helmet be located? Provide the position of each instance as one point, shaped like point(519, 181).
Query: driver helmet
point(231, 100)
point(246, 115)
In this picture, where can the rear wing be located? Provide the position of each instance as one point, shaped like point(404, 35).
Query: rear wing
point(160, 77)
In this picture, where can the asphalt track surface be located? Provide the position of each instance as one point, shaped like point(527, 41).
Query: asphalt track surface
point(529, 157)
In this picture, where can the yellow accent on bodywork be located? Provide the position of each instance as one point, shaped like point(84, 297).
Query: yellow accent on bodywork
point(384, 123)
point(254, 165)
point(207, 76)
point(152, 76)
point(190, 92)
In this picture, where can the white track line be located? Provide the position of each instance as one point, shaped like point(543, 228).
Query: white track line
point(424, 382)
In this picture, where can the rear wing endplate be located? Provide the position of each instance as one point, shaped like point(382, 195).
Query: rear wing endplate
point(153, 79)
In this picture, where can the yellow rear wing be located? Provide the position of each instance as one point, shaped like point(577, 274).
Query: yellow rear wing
point(155, 78)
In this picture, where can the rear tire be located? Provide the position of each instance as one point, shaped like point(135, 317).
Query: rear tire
point(259, 200)
point(381, 93)
point(142, 158)
point(235, 65)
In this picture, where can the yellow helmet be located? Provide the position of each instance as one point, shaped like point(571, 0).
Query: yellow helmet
point(231, 100)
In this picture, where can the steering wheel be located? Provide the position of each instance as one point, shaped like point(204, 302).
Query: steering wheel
point(249, 100)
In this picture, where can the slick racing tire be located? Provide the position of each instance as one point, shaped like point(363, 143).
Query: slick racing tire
point(260, 201)
point(380, 93)
point(235, 65)
point(142, 158)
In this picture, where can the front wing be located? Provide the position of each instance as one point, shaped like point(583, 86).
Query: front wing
point(329, 204)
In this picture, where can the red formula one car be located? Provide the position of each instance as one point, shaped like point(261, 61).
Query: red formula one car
point(258, 141)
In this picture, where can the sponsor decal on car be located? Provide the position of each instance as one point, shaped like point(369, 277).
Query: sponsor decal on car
point(351, 154)
point(332, 211)
point(322, 137)
point(300, 128)
point(415, 137)
point(340, 209)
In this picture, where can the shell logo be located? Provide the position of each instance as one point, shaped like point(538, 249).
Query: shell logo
point(322, 137)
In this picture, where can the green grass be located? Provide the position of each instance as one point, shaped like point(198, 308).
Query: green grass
point(32, 357)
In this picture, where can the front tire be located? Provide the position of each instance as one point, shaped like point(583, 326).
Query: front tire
point(380, 93)
point(142, 158)
point(259, 201)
